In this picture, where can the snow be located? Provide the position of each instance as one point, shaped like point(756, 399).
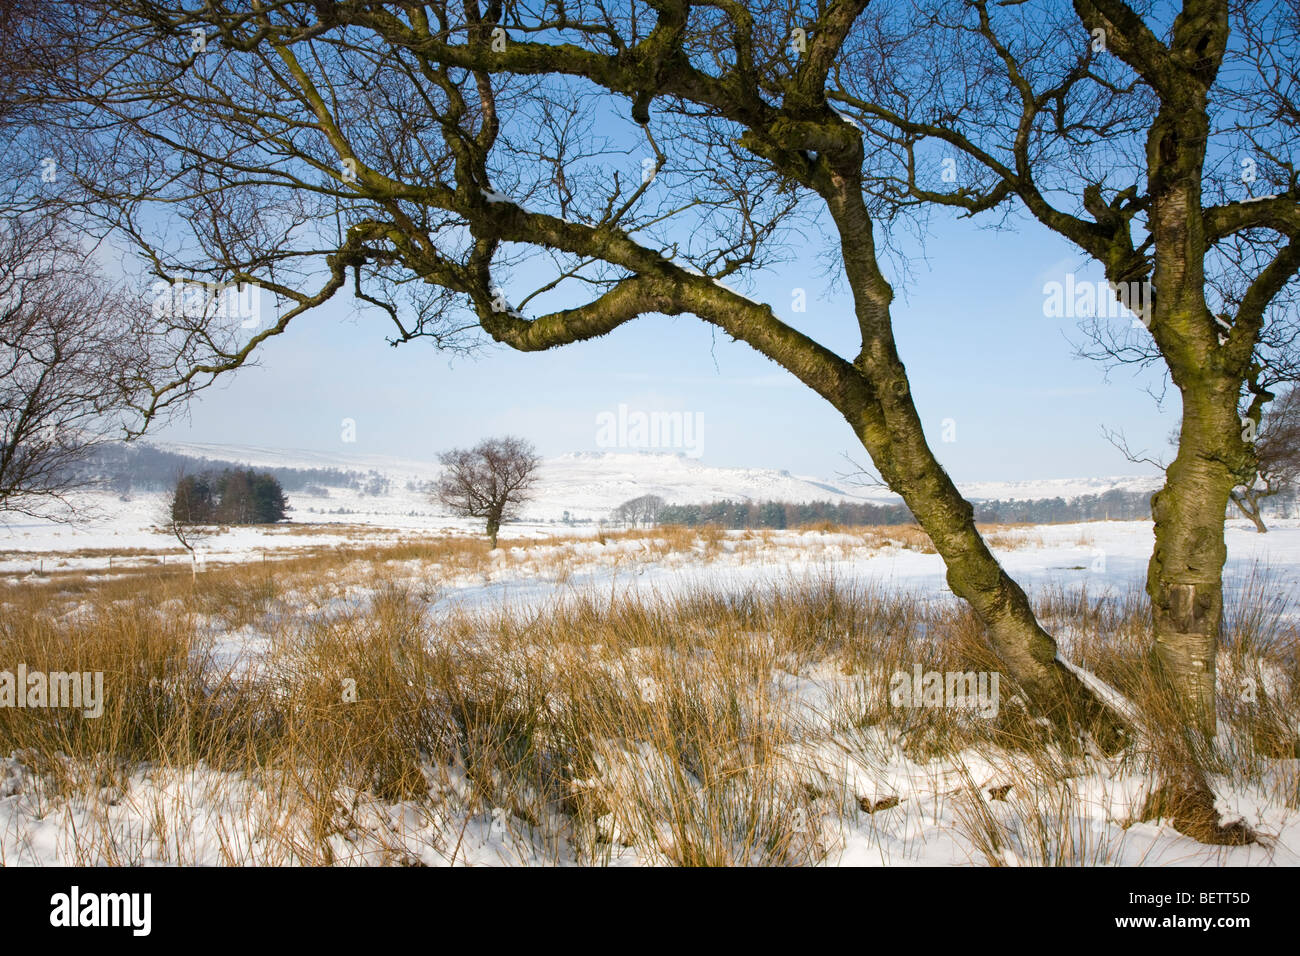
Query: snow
point(1112, 698)
point(740, 295)
point(845, 117)
point(911, 812)
point(587, 485)
point(580, 479)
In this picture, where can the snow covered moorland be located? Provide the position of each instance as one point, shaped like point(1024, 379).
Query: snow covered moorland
point(369, 684)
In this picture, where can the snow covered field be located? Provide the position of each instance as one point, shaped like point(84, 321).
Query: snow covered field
point(1101, 555)
point(846, 792)
point(584, 486)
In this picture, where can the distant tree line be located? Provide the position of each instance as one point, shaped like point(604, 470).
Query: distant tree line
point(786, 514)
point(141, 467)
point(1114, 505)
point(643, 510)
point(781, 514)
point(233, 496)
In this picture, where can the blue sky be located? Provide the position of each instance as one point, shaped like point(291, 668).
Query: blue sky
point(970, 328)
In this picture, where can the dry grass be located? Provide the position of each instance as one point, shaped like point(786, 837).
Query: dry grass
point(680, 729)
point(466, 554)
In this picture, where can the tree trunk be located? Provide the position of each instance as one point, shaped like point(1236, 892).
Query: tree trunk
point(890, 429)
point(1208, 363)
point(493, 526)
point(1185, 575)
point(974, 574)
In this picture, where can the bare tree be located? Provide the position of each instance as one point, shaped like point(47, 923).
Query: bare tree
point(65, 338)
point(71, 340)
point(1277, 449)
point(492, 480)
point(429, 157)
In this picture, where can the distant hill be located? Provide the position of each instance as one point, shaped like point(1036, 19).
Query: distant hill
point(587, 485)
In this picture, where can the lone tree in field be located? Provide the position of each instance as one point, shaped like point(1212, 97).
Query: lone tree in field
point(1277, 449)
point(492, 480)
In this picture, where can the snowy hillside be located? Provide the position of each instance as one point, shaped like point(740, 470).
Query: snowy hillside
point(586, 486)
point(589, 485)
